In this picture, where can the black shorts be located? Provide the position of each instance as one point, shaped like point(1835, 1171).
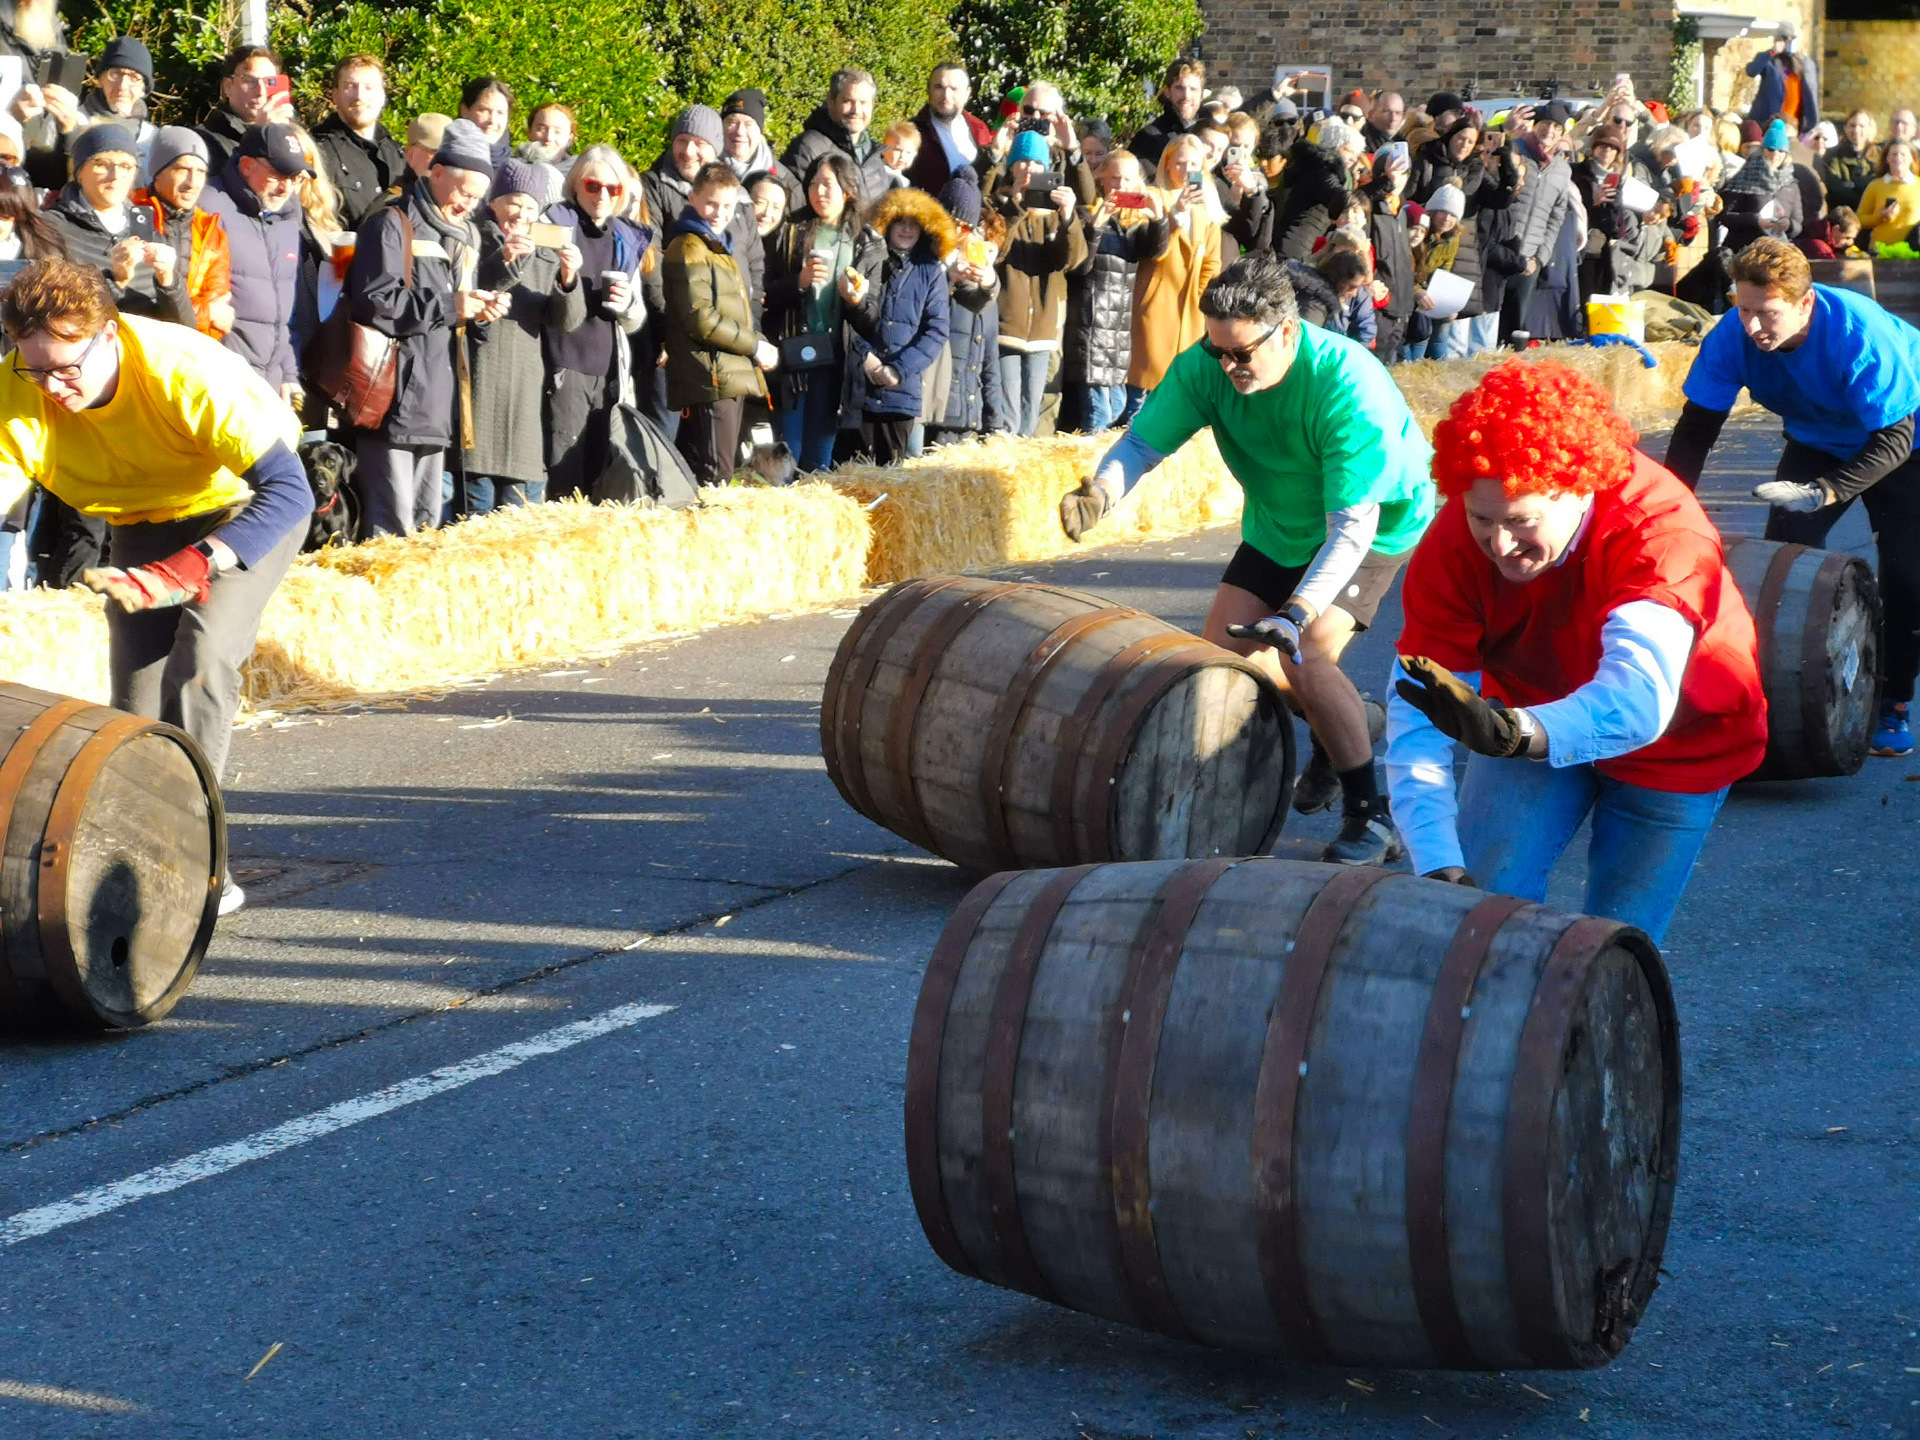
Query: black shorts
point(1258, 574)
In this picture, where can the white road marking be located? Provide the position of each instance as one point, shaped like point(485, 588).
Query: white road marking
point(29, 1224)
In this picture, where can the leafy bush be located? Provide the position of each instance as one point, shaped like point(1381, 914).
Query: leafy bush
point(1106, 55)
point(625, 66)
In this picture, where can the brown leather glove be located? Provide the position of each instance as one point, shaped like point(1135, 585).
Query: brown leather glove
point(1484, 726)
point(1082, 509)
point(1453, 875)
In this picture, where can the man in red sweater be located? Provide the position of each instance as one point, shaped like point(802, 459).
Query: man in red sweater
point(1580, 589)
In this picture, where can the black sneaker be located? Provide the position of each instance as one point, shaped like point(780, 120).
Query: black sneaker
point(1319, 785)
point(1366, 838)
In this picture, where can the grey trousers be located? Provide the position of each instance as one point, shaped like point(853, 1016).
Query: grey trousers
point(182, 665)
point(400, 485)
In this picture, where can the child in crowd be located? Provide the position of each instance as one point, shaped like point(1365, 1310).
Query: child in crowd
point(901, 327)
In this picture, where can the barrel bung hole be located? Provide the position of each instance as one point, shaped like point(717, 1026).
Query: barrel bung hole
point(119, 952)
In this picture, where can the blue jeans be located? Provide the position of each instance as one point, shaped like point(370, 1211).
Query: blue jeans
point(1105, 404)
point(810, 422)
point(1484, 333)
point(1136, 397)
point(476, 494)
point(1517, 816)
point(1449, 340)
point(1024, 379)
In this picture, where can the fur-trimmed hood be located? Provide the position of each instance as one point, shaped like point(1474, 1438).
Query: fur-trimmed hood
point(939, 229)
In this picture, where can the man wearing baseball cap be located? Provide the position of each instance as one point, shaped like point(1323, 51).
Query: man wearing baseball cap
point(1546, 191)
point(257, 198)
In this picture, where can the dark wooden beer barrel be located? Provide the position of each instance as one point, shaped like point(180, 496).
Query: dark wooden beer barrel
point(1289, 1108)
point(1005, 725)
point(115, 845)
point(1817, 614)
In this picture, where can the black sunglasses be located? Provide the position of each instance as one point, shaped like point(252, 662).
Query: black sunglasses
point(1242, 356)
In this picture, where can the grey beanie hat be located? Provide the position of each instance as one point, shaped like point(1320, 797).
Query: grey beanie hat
point(1448, 200)
point(170, 143)
point(524, 177)
point(463, 147)
point(703, 123)
point(102, 140)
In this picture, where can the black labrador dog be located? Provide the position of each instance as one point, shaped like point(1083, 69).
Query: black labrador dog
point(336, 508)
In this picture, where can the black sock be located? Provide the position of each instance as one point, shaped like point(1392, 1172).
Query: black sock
point(1320, 755)
point(1359, 792)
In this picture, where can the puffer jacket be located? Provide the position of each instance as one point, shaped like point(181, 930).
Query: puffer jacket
point(824, 135)
point(202, 238)
point(906, 315)
point(664, 193)
point(1041, 247)
point(975, 401)
point(1541, 209)
point(1846, 172)
point(1392, 255)
point(1314, 298)
point(708, 322)
point(91, 243)
point(420, 316)
point(264, 252)
point(1316, 194)
point(1099, 340)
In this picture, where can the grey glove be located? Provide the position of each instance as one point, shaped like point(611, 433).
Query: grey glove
point(1280, 631)
point(1082, 509)
point(1791, 495)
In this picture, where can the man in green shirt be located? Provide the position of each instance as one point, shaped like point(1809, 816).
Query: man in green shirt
point(1338, 492)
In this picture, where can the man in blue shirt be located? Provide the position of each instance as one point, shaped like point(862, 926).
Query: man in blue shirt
point(1844, 376)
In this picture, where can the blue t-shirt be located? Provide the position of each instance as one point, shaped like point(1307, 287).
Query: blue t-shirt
point(1857, 371)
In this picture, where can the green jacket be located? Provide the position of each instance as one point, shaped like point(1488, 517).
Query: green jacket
point(708, 325)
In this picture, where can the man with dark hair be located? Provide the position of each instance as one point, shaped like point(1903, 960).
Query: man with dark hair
point(1181, 91)
point(363, 159)
point(950, 137)
point(1540, 207)
point(188, 456)
point(1844, 376)
point(839, 125)
point(1337, 493)
point(248, 97)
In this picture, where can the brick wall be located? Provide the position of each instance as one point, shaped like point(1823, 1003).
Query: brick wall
point(1506, 46)
point(1871, 65)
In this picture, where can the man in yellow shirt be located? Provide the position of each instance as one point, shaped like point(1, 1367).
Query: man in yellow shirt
point(189, 458)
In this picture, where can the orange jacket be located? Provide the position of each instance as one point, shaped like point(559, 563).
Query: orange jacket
point(209, 267)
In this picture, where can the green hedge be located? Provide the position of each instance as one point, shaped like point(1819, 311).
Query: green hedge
point(626, 65)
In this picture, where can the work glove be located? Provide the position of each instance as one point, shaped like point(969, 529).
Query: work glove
point(1082, 509)
point(1485, 727)
point(1453, 875)
point(181, 577)
point(1791, 495)
point(1280, 631)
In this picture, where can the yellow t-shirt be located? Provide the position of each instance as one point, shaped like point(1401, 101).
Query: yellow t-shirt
point(1906, 208)
point(186, 421)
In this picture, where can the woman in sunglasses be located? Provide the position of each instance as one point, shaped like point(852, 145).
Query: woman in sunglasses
point(587, 364)
point(186, 453)
point(1337, 493)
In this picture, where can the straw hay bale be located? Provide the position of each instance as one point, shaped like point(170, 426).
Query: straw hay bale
point(524, 586)
point(1650, 399)
point(56, 640)
point(997, 502)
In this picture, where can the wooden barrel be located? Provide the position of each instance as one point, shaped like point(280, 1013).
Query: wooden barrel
point(1006, 725)
point(1817, 614)
point(1300, 1110)
point(115, 847)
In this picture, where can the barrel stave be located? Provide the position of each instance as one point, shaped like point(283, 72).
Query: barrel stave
point(1350, 1130)
point(20, 866)
point(1205, 1076)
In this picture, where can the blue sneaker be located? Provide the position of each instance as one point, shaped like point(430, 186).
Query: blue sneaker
point(1892, 739)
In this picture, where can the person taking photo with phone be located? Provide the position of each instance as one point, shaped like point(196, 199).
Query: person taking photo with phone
point(1128, 225)
point(1334, 469)
point(1045, 239)
point(252, 92)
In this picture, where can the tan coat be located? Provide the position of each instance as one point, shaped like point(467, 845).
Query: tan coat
point(1039, 251)
point(1166, 299)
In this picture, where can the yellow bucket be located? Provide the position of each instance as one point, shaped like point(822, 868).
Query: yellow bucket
point(1617, 315)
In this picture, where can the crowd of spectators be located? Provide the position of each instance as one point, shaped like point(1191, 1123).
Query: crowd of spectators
point(987, 265)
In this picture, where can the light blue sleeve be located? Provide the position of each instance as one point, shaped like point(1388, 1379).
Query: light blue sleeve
point(1124, 465)
point(1420, 781)
point(1644, 648)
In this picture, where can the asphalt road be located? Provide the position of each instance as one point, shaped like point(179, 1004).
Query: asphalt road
point(687, 1215)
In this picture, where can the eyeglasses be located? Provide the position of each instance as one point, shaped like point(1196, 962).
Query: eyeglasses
point(66, 374)
point(601, 187)
point(1242, 356)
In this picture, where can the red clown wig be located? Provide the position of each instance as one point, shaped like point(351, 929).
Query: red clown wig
point(1537, 429)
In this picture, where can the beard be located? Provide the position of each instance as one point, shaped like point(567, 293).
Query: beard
point(542, 152)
